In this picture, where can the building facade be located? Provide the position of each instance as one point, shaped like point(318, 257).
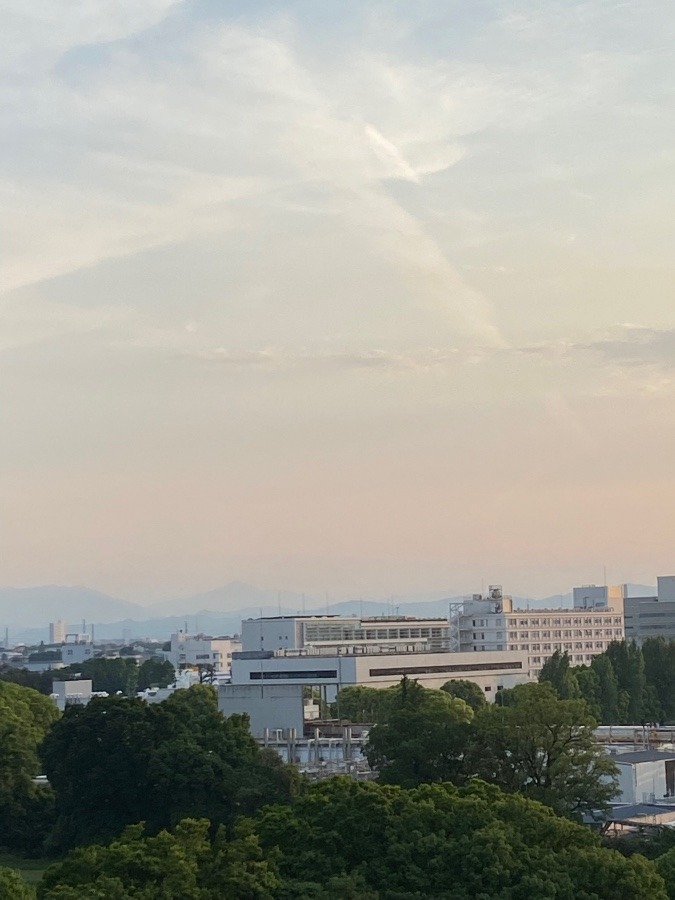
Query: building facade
point(345, 634)
point(652, 616)
point(57, 632)
point(195, 651)
point(332, 671)
point(489, 624)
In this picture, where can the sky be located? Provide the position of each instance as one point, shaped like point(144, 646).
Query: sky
point(365, 298)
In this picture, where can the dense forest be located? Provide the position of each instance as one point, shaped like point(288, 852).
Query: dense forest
point(472, 800)
point(625, 685)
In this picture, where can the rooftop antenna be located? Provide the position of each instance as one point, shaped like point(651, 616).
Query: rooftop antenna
point(303, 604)
point(604, 575)
point(361, 607)
point(279, 602)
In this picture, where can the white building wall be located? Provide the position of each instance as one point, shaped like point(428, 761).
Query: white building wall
point(641, 782)
point(71, 692)
point(490, 670)
point(271, 633)
point(187, 650)
point(76, 653)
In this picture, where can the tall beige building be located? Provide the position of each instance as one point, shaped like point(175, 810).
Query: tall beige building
point(57, 632)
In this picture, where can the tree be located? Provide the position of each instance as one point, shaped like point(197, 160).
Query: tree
point(589, 689)
point(362, 704)
point(25, 718)
point(155, 672)
point(111, 676)
point(444, 842)
point(629, 666)
point(180, 865)
point(659, 660)
point(39, 681)
point(608, 689)
point(665, 866)
point(13, 887)
point(118, 761)
point(468, 691)
point(556, 671)
point(544, 748)
point(422, 739)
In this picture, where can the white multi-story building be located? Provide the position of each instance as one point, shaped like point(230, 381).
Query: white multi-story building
point(78, 648)
point(193, 651)
point(491, 624)
point(345, 634)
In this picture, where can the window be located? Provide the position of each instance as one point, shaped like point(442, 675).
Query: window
point(279, 676)
point(431, 670)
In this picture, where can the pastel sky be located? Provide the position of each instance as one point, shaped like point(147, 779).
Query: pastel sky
point(357, 296)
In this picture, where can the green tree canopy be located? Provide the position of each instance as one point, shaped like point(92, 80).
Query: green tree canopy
point(111, 676)
point(13, 887)
point(155, 672)
point(119, 760)
point(359, 703)
point(544, 748)
point(422, 738)
point(444, 842)
point(180, 865)
point(25, 718)
point(556, 671)
point(468, 691)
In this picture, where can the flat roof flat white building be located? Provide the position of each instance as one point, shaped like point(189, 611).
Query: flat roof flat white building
point(492, 671)
point(195, 651)
point(345, 633)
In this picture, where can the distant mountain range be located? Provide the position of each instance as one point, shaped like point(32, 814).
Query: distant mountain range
point(26, 612)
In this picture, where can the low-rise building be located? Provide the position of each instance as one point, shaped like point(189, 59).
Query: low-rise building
point(645, 776)
point(78, 648)
point(200, 651)
point(378, 668)
point(72, 693)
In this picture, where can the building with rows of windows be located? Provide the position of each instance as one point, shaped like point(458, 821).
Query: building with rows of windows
point(345, 634)
point(489, 623)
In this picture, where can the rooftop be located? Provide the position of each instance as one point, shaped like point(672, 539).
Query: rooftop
point(638, 756)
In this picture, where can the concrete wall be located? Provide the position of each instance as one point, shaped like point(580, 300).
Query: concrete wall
point(489, 670)
point(65, 692)
point(270, 706)
point(277, 633)
point(76, 653)
point(639, 780)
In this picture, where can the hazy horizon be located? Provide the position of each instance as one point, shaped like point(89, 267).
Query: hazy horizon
point(358, 298)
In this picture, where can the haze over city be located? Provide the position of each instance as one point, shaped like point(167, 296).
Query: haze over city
point(365, 299)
